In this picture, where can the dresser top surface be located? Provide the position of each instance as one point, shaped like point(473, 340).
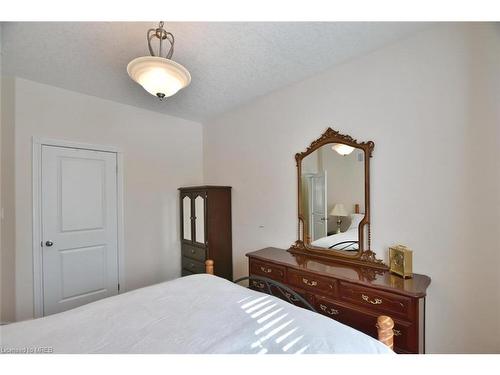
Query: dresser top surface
point(204, 187)
point(380, 279)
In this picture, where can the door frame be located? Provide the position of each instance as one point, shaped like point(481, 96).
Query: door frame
point(38, 142)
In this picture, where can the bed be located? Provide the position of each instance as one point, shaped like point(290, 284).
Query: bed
point(193, 314)
point(346, 241)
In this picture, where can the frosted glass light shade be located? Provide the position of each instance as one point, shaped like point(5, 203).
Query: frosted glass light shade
point(159, 76)
point(342, 149)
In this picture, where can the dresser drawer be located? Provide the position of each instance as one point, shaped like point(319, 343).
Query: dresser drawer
point(192, 265)
point(194, 252)
point(404, 332)
point(273, 271)
point(313, 283)
point(388, 303)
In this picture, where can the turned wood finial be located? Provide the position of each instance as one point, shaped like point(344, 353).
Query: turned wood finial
point(209, 266)
point(385, 333)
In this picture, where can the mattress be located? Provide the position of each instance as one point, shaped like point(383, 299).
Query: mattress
point(193, 314)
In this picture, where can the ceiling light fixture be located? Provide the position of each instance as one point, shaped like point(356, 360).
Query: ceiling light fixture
point(159, 75)
point(342, 149)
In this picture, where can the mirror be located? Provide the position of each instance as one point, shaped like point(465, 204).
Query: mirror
point(334, 199)
point(332, 194)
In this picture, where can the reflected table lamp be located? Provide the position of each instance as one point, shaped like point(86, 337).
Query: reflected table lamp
point(339, 211)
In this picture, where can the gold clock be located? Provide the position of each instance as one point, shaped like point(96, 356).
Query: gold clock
point(400, 261)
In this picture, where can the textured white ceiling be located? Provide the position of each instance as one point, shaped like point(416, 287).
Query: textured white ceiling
point(230, 63)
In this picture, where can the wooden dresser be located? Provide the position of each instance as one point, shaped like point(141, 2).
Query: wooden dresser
point(353, 295)
point(206, 229)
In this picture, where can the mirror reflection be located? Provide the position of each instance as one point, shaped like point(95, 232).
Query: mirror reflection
point(332, 192)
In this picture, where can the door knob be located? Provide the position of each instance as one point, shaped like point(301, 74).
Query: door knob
point(49, 243)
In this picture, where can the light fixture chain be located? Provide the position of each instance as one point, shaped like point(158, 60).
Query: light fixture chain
point(161, 34)
point(149, 37)
point(171, 40)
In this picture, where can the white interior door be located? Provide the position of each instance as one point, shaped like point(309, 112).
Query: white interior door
point(319, 214)
point(79, 227)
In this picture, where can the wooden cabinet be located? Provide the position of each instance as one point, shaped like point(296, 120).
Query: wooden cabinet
point(352, 295)
point(205, 218)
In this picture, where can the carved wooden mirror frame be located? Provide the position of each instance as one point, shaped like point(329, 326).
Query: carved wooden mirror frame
point(364, 256)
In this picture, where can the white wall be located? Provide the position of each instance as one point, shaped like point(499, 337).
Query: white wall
point(483, 176)
point(7, 279)
point(160, 153)
point(2, 261)
point(417, 100)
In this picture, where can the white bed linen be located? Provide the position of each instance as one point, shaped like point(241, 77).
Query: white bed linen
point(193, 314)
point(349, 235)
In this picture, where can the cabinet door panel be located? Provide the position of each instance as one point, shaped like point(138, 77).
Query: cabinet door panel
point(199, 219)
point(187, 234)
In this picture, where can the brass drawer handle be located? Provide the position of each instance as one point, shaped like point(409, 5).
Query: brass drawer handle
point(310, 283)
point(397, 332)
point(376, 301)
point(330, 311)
point(266, 270)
